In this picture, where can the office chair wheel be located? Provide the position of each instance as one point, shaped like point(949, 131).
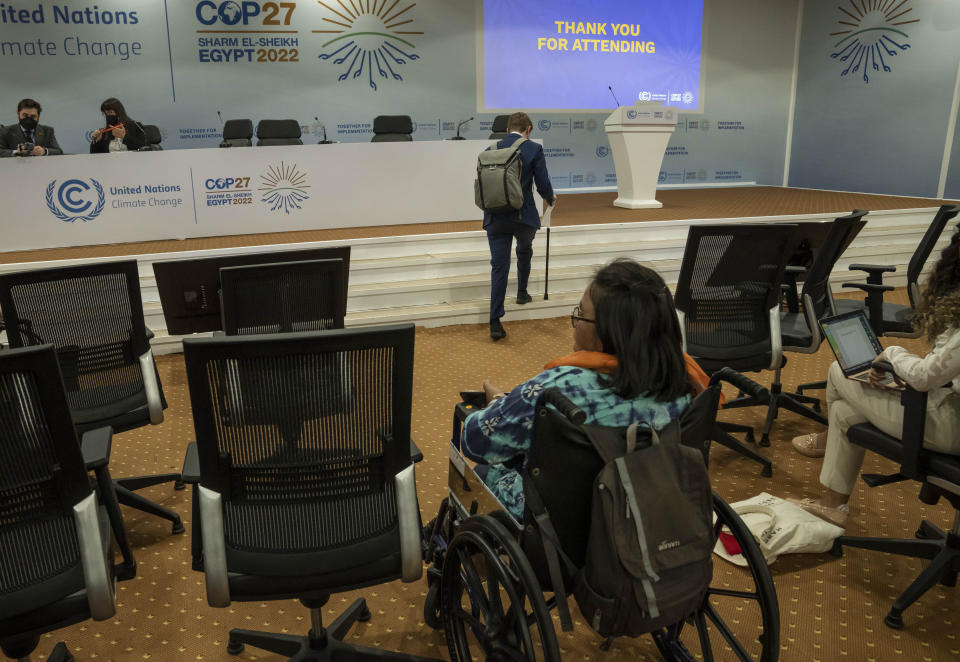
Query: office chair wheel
point(740, 603)
point(179, 485)
point(894, 620)
point(765, 440)
point(364, 614)
point(431, 605)
point(766, 471)
point(177, 527)
point(749, 438)
point(492, 603)
point(234, 647)
point(949, 579)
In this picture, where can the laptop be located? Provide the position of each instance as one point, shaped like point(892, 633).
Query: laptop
point(854, 344)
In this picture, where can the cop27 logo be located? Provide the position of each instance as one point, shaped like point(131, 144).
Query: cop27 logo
point(871, 33)
point(284, 187)
point(74, 201)
point(369, 36)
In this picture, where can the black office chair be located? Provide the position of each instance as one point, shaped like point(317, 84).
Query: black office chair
point(278, 132)
point(939, 477)
point(891, 319)
point(800, 332)
point(55, 568)
point(334, 512)
point(499, 127)
point(392, 129)
point(237, 133)
point(728, 302)
point(93, 315)
point(151, 138)
point(282, 297)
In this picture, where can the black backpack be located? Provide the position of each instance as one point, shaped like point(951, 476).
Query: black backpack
point(648, 559)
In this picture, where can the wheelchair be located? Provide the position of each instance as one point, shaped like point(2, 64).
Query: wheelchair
point(488, 573)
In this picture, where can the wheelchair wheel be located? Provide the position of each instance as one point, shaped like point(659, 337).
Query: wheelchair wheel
point(740, 618)
point(492, 604)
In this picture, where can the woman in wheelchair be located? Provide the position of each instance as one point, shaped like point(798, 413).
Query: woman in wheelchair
point(851, 402)
point(627, 366)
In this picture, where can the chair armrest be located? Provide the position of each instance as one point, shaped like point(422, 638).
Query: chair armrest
point(409, 525)
point(742, 382)
point(869, 287)
point(96, 565)
point(214, 548)
point(151, 387)
point(873, 269)
point(914, 423)
point(191, 465)
point(95, 447)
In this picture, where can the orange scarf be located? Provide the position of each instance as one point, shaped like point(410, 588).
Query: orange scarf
point(605, 363)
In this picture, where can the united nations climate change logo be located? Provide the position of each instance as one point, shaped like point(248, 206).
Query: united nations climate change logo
point(370, 37)
point(873, 29)
point(603, 151)
point(631, 114)
point(544, 125)
point(283, 187)
point(74, 200)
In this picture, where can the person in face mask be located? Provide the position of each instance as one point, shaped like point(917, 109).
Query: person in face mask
point(119, 132)
point(28, 137)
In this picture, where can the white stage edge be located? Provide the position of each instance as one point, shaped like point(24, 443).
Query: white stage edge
point(443, 279)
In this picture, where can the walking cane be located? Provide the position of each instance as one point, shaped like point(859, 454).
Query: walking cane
point(546, 275)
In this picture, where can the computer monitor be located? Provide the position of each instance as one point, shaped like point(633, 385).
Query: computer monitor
point(189, 288)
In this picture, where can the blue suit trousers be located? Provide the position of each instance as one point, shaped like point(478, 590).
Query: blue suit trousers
point(500, 235)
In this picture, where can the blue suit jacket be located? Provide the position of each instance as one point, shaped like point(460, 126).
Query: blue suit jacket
point(534, 170)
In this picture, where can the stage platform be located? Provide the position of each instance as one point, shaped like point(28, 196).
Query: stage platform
point(438, 273)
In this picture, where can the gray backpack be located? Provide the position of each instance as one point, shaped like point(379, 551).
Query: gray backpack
point(497, 186)
point(648, 556)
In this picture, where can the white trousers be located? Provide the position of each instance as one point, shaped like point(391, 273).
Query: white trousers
point(851, 402)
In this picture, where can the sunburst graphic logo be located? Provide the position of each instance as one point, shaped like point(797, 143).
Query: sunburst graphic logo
point(284, 187)
point(372, 36)
point(872, 33)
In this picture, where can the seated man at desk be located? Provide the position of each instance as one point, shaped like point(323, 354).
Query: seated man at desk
point(28, 137)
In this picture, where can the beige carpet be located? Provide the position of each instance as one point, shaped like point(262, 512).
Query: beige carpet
point(831, 609)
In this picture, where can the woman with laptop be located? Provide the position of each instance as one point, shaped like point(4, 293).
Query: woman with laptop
point(876, 401)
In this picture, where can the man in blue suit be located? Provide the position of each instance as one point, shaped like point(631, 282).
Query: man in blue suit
point(521, 225)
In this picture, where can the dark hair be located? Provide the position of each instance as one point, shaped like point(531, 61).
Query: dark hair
point(519, 122)
point(117, 107)
point(939, 307)
point(29, 103)
point(637, 322)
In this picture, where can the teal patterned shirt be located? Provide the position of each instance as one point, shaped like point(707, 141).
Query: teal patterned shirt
point(504, 429)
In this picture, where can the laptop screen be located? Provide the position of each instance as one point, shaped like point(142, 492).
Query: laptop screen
point(852, 340)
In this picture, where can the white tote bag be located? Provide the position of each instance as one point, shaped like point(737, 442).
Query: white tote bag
point(780, 527)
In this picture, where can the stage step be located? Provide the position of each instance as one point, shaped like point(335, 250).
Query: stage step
point(442, 279)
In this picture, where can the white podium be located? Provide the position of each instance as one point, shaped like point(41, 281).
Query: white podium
point(638, 138)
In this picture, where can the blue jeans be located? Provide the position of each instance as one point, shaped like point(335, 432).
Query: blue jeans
point(500, 235)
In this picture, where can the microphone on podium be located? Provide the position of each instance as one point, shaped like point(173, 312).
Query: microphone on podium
point(613, 94)
point(458, 136)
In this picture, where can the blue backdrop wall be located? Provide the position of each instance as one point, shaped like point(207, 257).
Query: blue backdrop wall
point(175, 63)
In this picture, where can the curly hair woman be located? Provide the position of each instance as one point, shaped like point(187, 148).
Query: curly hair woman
point(851, 402)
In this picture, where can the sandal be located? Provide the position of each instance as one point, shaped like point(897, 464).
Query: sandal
point(811, 445)
point(837, 516)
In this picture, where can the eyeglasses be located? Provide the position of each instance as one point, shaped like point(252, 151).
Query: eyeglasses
point(576, 316)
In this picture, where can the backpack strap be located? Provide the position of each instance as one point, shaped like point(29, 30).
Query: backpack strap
point(553, 552)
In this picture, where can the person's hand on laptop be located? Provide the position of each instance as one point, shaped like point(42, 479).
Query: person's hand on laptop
point(881, 379)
